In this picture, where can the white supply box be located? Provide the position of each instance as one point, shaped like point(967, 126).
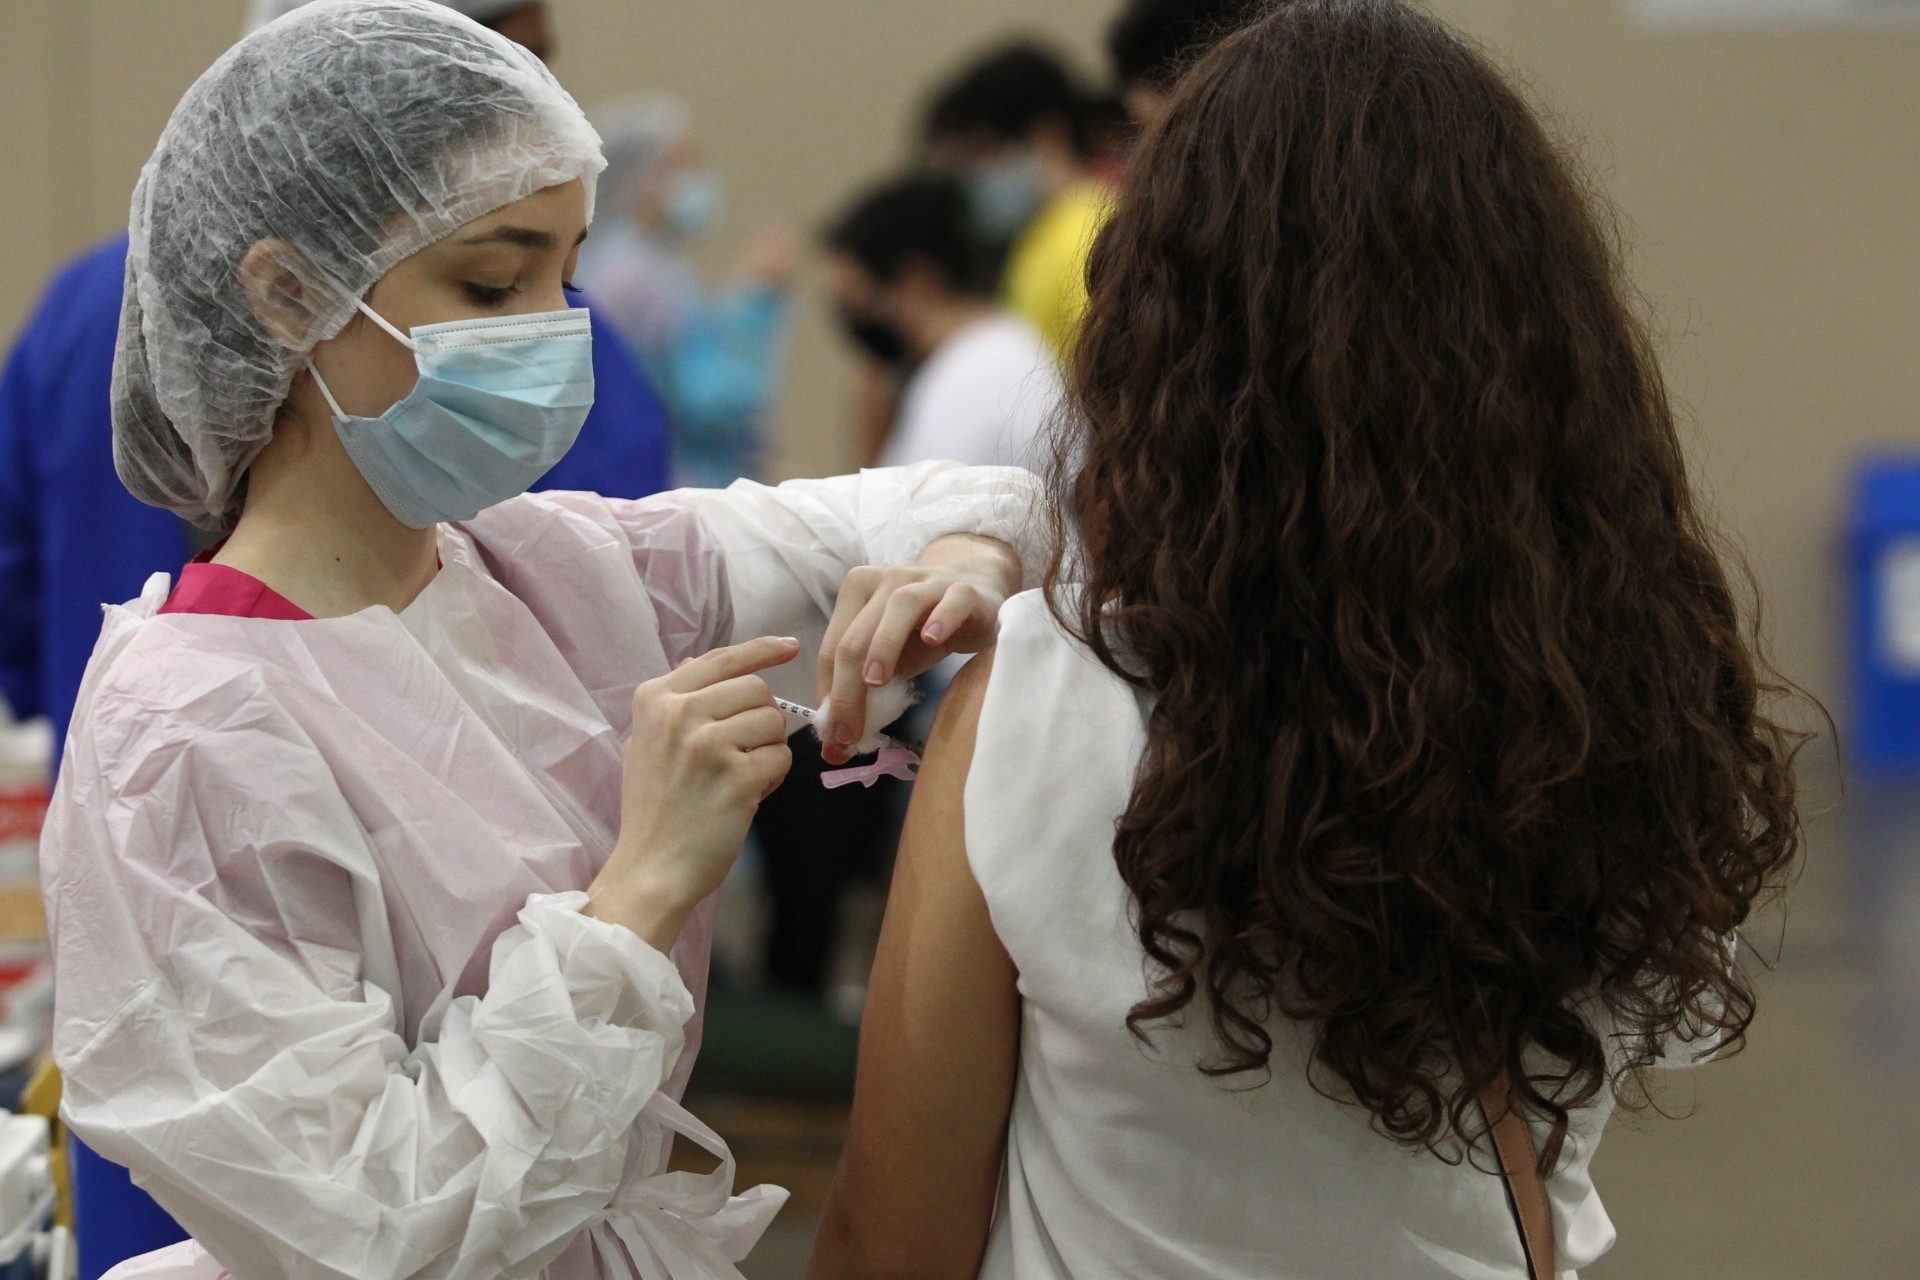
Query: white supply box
point(31, 1248)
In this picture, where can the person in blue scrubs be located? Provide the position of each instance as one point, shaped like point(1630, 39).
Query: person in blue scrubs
point(716, 354)
point(71, 538)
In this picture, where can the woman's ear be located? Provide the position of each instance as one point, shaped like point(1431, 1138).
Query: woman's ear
point(278, 293)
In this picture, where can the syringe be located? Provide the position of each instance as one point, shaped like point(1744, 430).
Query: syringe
point(812, 717)
point(897, 759)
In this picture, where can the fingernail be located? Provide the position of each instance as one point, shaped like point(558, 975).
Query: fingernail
point(876, 673)
point(790, 640)
point(933, 634)
point(843, 734)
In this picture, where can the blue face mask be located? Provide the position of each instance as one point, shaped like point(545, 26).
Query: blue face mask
point(694, 204)
point(1004, 195)
point(499, 401)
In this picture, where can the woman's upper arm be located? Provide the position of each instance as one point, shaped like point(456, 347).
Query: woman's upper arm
point(938, 1047)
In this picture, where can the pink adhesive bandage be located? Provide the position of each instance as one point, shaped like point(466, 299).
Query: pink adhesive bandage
point(897, 759)
point(894, 762)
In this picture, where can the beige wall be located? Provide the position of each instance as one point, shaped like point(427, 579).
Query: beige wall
point(1771, 182)
point(1772, 192)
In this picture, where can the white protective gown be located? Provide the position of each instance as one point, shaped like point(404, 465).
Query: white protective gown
point(315, 889)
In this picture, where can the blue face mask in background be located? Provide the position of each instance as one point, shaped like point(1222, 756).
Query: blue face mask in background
point(1004, 195)
point(695, 203)
point(499, 401)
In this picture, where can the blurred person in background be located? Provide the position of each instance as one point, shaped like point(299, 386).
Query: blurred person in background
point(1016, 128)
point(1389, 763)
point(715, 354)
point(1151, 42)
point(905, 270)
point(72, 537)
point(907, 282)
point(1036, 156)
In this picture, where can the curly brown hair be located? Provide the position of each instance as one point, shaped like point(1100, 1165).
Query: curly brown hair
point(1459, 749)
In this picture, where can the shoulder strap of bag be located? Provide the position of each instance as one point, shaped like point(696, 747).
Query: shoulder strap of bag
point(1520, 1168)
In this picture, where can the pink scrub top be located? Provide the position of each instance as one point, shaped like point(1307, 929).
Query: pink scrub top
point(206, 587)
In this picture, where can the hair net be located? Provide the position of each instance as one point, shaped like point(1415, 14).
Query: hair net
point(353, 132)
point(265, 11)
point(637, 130)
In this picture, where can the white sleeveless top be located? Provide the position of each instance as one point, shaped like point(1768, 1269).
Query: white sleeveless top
point(1122, 1159)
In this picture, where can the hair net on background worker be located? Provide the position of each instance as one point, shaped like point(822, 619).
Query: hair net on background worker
point(638, 130)
point(265, 11)
point(354, 133)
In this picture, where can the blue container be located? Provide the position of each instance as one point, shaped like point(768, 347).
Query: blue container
point(1884, 647)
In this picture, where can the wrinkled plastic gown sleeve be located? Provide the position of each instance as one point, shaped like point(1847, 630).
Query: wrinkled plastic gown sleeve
point(787, 548)
point(276, 1112)
point(227, 1028)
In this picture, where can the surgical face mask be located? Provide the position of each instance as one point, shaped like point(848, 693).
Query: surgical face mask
point(694, 204)
point(876, 337)
point(499, 401)
point(1005, 194)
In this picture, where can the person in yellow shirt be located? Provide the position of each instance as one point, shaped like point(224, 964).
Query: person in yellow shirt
point(1015, 127)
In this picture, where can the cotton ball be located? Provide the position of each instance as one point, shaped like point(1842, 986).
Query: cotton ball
point(884, 705)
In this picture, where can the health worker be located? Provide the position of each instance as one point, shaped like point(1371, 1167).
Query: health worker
point(379, 873)
point(71, 536)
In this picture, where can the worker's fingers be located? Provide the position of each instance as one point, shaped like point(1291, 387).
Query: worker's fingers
point(750, 730)
point(730, 697)
point(846, 700)
point(962, 622)
point(768, 767)
point(901, 616)
point(733, 661)
point(855, 592)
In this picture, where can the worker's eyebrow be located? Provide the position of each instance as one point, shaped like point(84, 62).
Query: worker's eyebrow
point(525, 237)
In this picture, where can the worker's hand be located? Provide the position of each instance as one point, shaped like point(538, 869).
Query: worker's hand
point(900, 621)
point(708, 746)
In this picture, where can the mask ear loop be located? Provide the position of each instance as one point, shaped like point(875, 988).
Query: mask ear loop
point(339, 414)
point(403, 339)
